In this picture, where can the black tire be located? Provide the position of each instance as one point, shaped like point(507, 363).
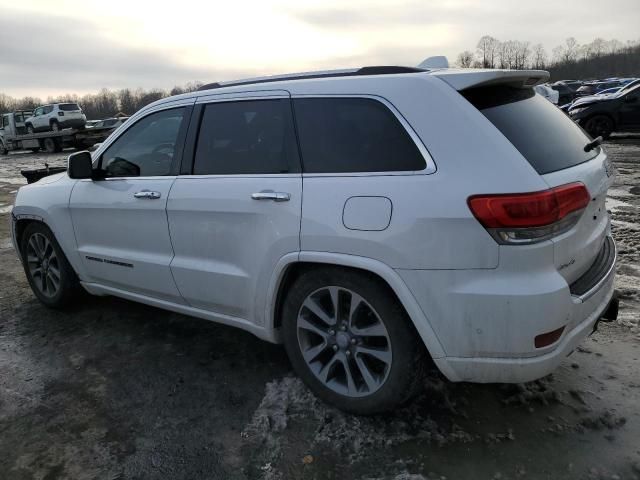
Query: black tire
point(3, 149)
point(69, 286)
point(50, 145)
point(599, 126)
point(29, 128)
point(54, 126)
point(405, 374)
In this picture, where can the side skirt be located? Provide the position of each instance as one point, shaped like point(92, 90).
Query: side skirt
point(258, 331)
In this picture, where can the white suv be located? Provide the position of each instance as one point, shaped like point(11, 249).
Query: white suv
point(368, 219)
point(55, 117)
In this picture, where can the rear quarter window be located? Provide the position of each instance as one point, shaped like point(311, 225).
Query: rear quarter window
point(546, 137)
point(339, 135)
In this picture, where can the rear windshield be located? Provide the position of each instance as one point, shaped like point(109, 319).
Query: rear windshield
point(541, 132)
point(68, 107)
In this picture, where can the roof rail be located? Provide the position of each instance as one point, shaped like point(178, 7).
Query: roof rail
point(374, 70)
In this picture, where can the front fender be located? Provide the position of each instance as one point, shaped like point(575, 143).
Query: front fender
point(49, 203)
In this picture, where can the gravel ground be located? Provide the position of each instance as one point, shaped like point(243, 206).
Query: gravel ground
point(115, 390)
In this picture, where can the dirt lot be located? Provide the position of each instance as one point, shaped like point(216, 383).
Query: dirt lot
point(115, 390)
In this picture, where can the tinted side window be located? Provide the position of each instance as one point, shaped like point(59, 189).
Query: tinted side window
point(246, 137)
point(146, 148)
point(47, 109)
point(353, 135)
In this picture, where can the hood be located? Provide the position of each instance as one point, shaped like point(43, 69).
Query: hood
point(589, 100)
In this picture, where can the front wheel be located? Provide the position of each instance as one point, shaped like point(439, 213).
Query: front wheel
point(350, 341)
point(48, 271)
point(599, 126)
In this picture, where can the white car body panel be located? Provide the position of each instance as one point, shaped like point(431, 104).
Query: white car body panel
point(227, 244)
point(124, 242)
point(209, 250)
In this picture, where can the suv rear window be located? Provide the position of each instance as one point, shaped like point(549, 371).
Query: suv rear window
point(340, 135)
point(68, 107)
point(541, 132)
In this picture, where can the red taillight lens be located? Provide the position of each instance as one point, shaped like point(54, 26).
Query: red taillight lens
point(526, 210)
point(530, 217)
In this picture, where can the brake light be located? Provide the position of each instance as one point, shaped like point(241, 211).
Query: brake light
point(530, 217)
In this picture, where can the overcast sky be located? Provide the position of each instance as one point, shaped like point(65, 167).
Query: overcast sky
point(51, 47)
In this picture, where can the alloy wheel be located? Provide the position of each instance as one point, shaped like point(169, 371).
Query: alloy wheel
point(343, 341)
point(43, 264)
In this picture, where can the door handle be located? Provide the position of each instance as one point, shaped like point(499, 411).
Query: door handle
point(148, 194)
point(271, 195)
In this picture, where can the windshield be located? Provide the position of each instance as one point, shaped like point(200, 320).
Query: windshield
point(541, 132)
point(627, 88)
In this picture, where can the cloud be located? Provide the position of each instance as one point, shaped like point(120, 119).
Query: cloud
point(62, 54)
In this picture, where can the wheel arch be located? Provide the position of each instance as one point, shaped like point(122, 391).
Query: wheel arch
point(609, 115)
point(292, 266)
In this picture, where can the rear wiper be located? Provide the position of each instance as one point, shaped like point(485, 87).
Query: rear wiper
point(593, 144)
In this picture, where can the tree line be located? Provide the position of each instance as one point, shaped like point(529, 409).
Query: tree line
point(104, 104)
point(597, 59)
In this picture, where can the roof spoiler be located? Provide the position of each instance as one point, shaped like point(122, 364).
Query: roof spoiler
point(464, 78)
point(431, 63)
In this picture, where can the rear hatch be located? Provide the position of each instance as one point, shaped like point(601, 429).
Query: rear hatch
point(555, 147)
point(71, 110)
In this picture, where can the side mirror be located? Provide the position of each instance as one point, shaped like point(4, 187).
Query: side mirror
point(79, 165)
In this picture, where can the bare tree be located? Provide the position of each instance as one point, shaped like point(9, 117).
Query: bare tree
point(465, 59)
point(598, 47)
point(571, 49)
point(539, 59)
point(487, 49)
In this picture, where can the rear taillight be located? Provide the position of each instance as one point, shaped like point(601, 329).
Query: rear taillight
point(516, 218)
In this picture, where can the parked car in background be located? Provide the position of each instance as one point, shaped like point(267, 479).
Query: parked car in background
point(547, 92)
point(565, 92)
point(601, 115)
point(55, 117)
point(91, 123)
point(110, 122)
point(609, 91)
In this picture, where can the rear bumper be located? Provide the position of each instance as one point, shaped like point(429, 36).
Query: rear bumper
point(487, 321)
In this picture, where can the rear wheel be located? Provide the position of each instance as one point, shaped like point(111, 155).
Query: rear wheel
point(599, 126)
point(350, 341)
point(50, 145)
point(48, 271)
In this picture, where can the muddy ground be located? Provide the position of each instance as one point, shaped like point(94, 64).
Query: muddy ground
point(115, 390)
